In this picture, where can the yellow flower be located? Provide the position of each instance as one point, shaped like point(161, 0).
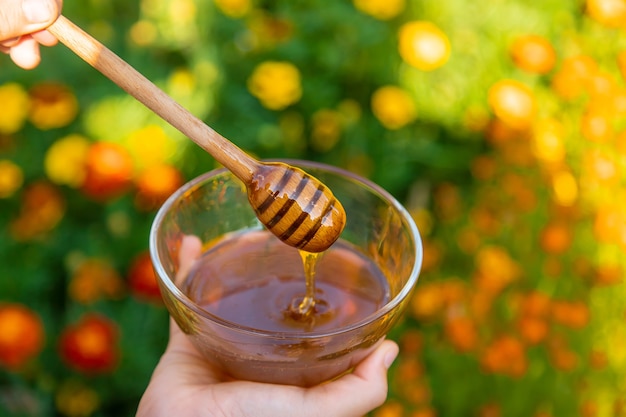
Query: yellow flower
point(160, 149)
point(564, 188)
point(64, 162)
point(326, 130)
point(267, 30)
point(234, 8)
point(143, 33)
point(547, 141)
point(275, 84)
point(393, 106)
point(11, 178)
point(15, 106)
point(75, 400)
point(380, 9)
point(53, 106)
point(423, 45)
point(182, 12)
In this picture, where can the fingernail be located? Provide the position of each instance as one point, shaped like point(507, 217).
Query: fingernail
point(390, 356)
point(37, 11)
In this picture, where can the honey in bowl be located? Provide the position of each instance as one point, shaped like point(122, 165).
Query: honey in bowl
point(241, 305)
point(254, 280)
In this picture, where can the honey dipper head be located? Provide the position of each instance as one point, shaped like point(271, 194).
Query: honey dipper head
point(296, 207)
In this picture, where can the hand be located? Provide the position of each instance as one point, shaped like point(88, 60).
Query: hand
point(184, 384)
point(22, 28)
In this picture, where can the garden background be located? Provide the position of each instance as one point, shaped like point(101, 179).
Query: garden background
point(501, 124)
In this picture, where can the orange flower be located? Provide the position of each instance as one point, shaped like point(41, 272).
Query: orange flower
point(600, 167)
point(485, 220)
point(533, 53)
point(610, 224)
point(410, 368)
point(428, 300)
point(268, 30)
point(490, 410)
point(93, 280)
point(548, 141)
point(425, 411)
point(416, 392)
point(564, 187)
point(596, 126)
point(572, 78)
point(522, 194)
point(495, 269)
point(610, 13)
point(411, 341)
point(389, 409)
point(433, 253)
point(155, 185)
point(535, 304)
point(109, 169)
point(90, 345)
point(598, 359)
point(556, 238)
point(505, 355)
point(483, 167)
point(561, 356)
point(142, 278)
point(21, 335)
point(461, 332)
point(608, 274)
point(447, 201)
point(512, 102)
point(574, 314)
point(498, 132)
point(532, 330)
point(42, 208)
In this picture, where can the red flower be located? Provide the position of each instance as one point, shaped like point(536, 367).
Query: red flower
point(90, 345)
point(21, 335)
point(109, 170)
point(142, 279)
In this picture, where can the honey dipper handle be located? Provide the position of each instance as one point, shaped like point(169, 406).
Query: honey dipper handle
point(130, 80)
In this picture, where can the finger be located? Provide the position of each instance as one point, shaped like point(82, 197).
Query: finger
point(361, 391)
point(45, 38)
point(190, 249)
point(177, 338)
point(8, 43)
point(26, 53)
point(22, 17)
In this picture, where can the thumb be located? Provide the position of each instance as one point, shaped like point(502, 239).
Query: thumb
point(18, 18)
point(359, 392)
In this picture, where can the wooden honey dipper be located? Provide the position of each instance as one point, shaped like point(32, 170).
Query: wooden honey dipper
point(294, 206)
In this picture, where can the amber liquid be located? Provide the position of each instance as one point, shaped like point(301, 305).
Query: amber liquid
point(254, 280)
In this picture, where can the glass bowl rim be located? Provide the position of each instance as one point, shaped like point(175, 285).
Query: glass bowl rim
point(303, 164)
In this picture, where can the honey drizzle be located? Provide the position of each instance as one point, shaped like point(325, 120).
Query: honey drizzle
point(309, 262)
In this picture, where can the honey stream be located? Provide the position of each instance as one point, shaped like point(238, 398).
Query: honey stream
point(304, 308)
